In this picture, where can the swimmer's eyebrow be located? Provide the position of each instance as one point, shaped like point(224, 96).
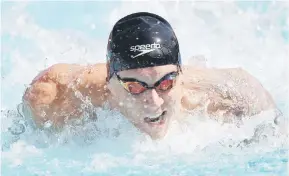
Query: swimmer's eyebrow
point(159, 76)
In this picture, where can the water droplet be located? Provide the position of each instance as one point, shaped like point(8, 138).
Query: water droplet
point(47, 124)
point(42, 114)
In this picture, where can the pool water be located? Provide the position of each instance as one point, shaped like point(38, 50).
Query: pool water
point(252, 35)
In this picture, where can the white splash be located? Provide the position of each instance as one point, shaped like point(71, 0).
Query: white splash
point(225, 33)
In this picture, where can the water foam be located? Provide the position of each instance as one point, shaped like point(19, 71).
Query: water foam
point(227, 34)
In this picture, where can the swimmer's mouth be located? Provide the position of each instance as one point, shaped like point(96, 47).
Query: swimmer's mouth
point(156, 120)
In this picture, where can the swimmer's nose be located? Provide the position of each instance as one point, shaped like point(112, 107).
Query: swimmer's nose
point(153, 98)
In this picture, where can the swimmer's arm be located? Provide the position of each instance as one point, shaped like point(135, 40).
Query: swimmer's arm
point(38, 98)
point(230, 92)
point(48, 97)
point(244, 96)
point(59, 92)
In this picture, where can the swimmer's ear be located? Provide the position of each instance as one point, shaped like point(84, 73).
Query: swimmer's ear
point(108, 84)
point(111, 84)
point(198, 61)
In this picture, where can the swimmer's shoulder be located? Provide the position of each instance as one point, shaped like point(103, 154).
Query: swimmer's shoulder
point(90, 80)
point(60, 73)
point(63, 73)
point(192, 70)
point(96, 74)
point(93, 83)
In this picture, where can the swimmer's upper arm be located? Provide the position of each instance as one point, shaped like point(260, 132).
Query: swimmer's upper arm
point(256, 95)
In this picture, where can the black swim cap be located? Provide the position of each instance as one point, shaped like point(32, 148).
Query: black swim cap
point(141, 40)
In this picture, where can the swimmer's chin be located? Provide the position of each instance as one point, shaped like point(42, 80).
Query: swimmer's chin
point(157, 135)
point(155, 129)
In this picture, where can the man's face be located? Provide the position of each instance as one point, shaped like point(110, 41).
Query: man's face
point(152, 110)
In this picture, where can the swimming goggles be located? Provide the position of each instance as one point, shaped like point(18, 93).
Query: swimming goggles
point(135, 86)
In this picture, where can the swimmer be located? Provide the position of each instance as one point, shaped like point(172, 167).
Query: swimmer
point(144, 79)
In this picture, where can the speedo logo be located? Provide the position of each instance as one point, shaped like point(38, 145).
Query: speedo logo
point(143, 49)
